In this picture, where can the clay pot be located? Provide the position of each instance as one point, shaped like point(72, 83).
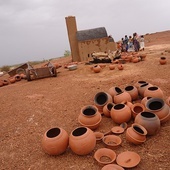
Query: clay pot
point(128, 159)
point(120, 67)
point(107, 108)
point(12, 80)
point(120, 113)
point(122, 97)
point(135, 59)
point(111, 66)
point(133, 91)
point(159, 107)
point(149, 121)
point(137, 108)
point(113, 91)
point(82, 140)
point(96, 68)
point(117, 130)
point(101, 99)
point(23, 76)
point(112, 141)
point(142, 56)
point(55, 141)
point(136, 134)
point(143, 87)
point(17, 77)
point(168, 101)
point(90, 117)
point(105, 156)
point(112, 167)
point(153, 92)
point(5, 82)
point(99, 136)
point(162, 60)
point(139, 83)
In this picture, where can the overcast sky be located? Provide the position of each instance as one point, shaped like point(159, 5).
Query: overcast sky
point(32, 30)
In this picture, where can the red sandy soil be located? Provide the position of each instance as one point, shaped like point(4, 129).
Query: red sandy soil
point(28, 109)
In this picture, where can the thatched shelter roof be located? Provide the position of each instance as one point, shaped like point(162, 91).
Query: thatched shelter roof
point(91, 34)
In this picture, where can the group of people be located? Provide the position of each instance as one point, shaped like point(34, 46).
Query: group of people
point(135, 43)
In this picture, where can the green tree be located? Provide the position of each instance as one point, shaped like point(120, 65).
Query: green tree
point(67, 53)
point(5, 68)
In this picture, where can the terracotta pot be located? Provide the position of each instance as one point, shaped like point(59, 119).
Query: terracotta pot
point(142, 88)
point(154, 91)
point(149, 121)
point(105, 156)
point(11, 79)
point(117, 130)
point(96, 68)
point(55, 141)
point(101, 99)
point(90, 117)
point(137, 108)
point(113, 91)
point(162, 60)
point(120, 67)
point(135, 59)
point(23, 76)
point(17, 77)
point(168, 101)
point(159, 107)
point(112, 167)
point(111, 66)
point(139, 83)
point(120, 113)
point(107, 108)
point(133, 91)
point(5, 82)
point(122, 97)
point(99, 136)
point(136, 134)
point(82, 140)
point(112, 141)
point(142, 56)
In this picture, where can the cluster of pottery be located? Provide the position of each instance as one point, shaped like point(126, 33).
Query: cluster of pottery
point(12, 79)
point(143, 106)
point(98, 67)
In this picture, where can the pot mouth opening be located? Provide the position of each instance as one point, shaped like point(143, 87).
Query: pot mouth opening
point(128, 88)
point(138, 129)
point(119, 106)
point(141, 82)
point(138, 109)
point(101, 98)
point(118, 90)
point(155, 105)
point(153, 88)
point(163, 58)
point(79, 131)
point(89, 111)
point(53, 132)
point(145, 84)
point(148, 114)
point(109, 106)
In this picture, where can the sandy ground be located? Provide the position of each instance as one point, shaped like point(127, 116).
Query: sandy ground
point(28, 109)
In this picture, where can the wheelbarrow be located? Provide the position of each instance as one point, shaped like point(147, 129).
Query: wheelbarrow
point(49, 70)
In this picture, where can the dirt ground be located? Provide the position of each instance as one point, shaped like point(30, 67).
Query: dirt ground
point(28, 109)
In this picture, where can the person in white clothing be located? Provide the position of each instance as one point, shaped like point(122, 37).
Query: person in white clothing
point(142, 42)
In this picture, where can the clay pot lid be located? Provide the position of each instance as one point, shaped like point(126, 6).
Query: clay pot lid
point(112, 167)
point(128, 159)
point(112, 141)
point(105, 156)
point(99, 136)
point(117, 129)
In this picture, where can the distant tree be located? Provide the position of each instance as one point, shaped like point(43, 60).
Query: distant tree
point(5, 68)
point(67, 53)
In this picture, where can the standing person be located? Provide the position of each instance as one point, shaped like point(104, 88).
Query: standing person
point(136, 42)
point(126, 43)
point(142, 43)
point(130, 44)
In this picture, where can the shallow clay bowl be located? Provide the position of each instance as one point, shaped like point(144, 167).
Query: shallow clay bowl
point(99, 136)
point(117, 130)
point(112, 167)
point(112, 141)
point(105, 156)
point(128, 159)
